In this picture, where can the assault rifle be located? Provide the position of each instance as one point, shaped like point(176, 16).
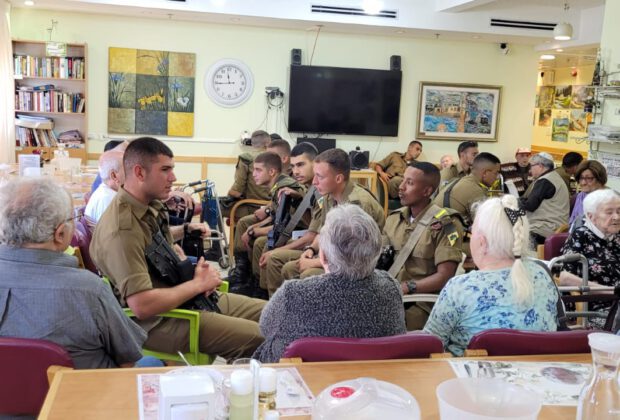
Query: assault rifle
point(169, 267)
point(281, 219)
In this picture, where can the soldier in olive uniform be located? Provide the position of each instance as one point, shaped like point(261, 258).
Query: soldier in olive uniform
point(331, 178)
point(282, 148)
point(570, 162)
point(432, 238)
point(244, 185)
point(267, 172)
point(462, 193)
point(302, 159)
point(467, 151)
point(119, 245)
point(392, 168)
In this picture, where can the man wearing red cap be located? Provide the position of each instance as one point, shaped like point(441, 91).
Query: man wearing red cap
point(519, 172)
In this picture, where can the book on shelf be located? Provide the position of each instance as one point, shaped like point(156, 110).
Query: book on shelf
point(34, 131)
point(48, 101)
point(58, 67)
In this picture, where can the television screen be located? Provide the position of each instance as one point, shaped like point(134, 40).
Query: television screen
point(335, 100)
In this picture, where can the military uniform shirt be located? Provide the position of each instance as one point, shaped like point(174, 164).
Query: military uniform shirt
point(119, 242)
point(394, 164)
point(453, 171)
point(465, 193)
point(358, 195)
point(441, 241)
point(244, 181)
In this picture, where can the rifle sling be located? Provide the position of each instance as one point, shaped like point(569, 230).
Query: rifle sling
point(404, 253)
point(306, 203)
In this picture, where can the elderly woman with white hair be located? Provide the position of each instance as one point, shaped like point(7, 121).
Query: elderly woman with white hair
point(598, 239)
point(508, 290)
point(351, 299)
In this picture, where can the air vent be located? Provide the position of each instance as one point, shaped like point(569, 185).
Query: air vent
point(353, 11)
point(522, 24)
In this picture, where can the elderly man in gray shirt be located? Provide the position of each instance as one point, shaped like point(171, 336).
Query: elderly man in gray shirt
point(43, 293)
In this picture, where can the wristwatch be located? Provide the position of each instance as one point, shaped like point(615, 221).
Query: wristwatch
point(411, 287)
point(268, 211)
point(251, 232)
point(307, 247)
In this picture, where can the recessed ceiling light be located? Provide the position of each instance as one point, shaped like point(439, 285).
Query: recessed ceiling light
point(547, 57)
point(28, 3)
point(559, 50)
point(400, 31)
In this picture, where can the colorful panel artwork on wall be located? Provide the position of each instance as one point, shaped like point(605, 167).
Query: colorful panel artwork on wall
point(151, 92)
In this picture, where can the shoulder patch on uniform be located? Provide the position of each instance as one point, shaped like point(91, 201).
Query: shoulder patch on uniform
point(320, 202)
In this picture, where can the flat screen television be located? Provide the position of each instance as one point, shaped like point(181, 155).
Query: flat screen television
point(337, 100)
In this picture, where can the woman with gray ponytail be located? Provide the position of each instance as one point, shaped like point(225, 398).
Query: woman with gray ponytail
point(507, 291)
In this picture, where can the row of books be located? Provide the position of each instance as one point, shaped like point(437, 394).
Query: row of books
point(59, 67)
point(49, 101)
point(34, 131)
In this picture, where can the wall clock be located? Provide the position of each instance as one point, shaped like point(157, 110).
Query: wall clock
point(229, 83)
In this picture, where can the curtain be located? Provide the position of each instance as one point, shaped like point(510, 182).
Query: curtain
point(7, 89)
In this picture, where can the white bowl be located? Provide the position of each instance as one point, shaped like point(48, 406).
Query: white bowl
point(484, 399)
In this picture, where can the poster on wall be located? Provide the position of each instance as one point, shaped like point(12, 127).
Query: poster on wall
point(151, 92)
point(580, 95)
point(562, 98)
point(544, 117)
point(560, 125)
point(456, 111)
point(544, 96)
point(579, 120)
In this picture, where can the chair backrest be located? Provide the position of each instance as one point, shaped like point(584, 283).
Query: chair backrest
point(24, 363)
point(554, 244)
point(81, 239)
point(507, 342)
point(404, 346)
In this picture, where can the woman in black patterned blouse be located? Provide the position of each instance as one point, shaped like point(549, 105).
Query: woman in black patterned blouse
point(599, 241)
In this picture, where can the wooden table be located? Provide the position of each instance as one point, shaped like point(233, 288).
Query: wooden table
point(113, 394)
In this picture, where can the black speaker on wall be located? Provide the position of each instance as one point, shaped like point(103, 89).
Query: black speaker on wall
point(395, 62)
point(296, 57)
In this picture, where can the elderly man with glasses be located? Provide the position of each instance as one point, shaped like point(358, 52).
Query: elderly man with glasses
point(43, 293)
point(547, 201)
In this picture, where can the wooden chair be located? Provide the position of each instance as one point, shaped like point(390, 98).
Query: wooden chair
point(233, 222)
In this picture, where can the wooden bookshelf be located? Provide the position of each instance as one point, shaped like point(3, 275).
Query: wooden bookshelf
point(68, 75)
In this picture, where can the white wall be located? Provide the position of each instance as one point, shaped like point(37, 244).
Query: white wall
point(267, 52)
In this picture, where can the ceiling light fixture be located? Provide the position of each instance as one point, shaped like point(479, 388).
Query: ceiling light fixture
point(372, 7)
point(547, 57)
point(563, 31)
point(28, 3)
point(559, 50)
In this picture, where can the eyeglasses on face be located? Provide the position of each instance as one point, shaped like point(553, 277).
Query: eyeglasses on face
point(587, 178)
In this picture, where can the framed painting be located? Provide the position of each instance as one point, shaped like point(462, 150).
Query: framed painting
point(449, 111)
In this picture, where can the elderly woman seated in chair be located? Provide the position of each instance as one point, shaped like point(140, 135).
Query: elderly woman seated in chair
point(351, 299)
point(508, 291)
point(599, 241)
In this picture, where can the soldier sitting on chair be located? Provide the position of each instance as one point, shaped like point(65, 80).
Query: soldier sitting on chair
point(392, 168)
point(133, 239)
point(267, 172)
point(244, 185)
point(331, 178)
point(467, 151)
point(282, 148)
point(426, 237)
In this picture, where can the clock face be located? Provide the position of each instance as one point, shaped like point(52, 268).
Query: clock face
point(229, 83)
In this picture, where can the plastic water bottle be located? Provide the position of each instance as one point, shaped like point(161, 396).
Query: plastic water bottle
point(600, 398)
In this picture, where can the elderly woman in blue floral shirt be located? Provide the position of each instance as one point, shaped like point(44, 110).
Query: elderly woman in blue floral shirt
point(507, 291)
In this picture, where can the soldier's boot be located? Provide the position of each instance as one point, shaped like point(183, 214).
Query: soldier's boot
point(240, 277)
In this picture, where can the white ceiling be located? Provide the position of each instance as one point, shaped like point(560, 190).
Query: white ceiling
point(448, 19)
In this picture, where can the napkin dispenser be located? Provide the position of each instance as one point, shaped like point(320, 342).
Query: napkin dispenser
point(186, 397)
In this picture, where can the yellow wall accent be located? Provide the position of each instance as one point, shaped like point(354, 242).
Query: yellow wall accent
point(267, 52)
